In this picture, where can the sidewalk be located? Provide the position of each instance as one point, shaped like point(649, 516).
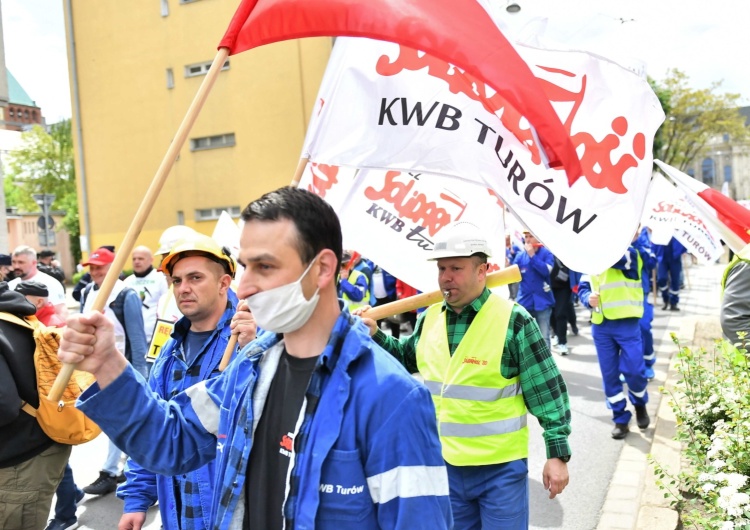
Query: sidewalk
point(633, 500)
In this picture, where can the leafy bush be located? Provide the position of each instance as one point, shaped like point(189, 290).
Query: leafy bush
point(712, 404)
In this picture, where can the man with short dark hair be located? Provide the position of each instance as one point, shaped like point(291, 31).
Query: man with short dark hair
point(313, 425)
point(201, 271)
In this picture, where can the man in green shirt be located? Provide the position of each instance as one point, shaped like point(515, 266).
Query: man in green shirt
point(482, 392)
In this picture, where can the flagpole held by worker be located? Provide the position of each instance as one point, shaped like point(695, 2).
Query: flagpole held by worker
point(139, 220)
point(504, 276)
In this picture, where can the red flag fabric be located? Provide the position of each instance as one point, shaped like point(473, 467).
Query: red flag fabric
point(733, 218)
point(460, 32)
point(729, 212)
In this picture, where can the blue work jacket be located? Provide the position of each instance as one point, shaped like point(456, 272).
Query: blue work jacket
point(372, 456)
point(535, 293)
point(169, 376)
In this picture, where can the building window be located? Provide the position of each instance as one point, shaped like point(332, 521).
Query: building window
point(211, 214)
point(26, 114)
point(170, 78)
point(164, 8)
point(727, 173)
point(707, 171)
point(11, 112)
point(691, 172)
point(180, 217)
point(194, 70)
point(212, 142)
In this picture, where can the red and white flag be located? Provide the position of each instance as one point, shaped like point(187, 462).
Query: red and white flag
point(393, 217)
point(730, 219)
point(457, 31)
point(669, 214)
point(383, 105)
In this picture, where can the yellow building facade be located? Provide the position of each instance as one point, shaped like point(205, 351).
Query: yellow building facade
point(135, 67)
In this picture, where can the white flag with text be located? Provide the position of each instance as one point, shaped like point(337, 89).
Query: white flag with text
point(384, 106)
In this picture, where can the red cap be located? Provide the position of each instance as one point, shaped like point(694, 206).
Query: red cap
point(101, 256)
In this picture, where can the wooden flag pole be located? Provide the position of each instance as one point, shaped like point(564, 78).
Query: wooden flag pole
point(147, 205)
point(504, 276)
point(298, 172)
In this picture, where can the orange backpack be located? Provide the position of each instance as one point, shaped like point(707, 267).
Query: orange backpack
point(61, 421)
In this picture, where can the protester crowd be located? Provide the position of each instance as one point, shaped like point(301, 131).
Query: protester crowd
point(252, 391)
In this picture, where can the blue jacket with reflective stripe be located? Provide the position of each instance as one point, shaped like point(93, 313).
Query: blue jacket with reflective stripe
point(170, 376)
point(373, 457)
point(535, 293)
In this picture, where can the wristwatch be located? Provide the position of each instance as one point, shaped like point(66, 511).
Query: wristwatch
point(565, 458)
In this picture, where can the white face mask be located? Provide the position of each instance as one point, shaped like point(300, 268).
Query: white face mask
point(283, 309)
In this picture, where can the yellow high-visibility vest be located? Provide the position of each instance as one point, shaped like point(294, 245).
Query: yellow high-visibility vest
point(352, 304)
point(481, 415)
point(619, 297)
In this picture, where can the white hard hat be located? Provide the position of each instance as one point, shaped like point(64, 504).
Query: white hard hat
point(461, 240)
point(172, 235)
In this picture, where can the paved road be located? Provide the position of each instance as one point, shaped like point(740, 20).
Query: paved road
point(595, 453)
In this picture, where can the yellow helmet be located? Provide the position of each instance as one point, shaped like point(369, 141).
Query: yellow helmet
point(199, 245)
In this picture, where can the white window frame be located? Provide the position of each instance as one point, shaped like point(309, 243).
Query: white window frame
point(212, 142)
point(199, 69)
point(212, 214)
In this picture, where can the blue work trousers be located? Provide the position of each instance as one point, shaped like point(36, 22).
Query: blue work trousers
point(491, 497)
point(619, 348)
point(668, 280)
point(649, 355)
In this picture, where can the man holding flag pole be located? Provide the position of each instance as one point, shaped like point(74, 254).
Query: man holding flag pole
point(482, 391)
point(307, 425)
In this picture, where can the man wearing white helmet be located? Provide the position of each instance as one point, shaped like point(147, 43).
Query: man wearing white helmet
point(481, 391)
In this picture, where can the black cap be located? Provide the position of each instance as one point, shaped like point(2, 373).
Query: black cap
point(32, 288)
point(14, 302)
point(47, 254)
point(5, 259)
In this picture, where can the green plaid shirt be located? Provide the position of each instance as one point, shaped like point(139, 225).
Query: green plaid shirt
point(525, 354)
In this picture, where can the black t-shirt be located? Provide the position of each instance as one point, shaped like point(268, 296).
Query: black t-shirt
point(273, 444)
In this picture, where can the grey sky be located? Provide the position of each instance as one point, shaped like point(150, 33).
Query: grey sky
point(709, 41)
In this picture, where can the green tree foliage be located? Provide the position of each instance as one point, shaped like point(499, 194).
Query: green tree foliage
point(44, 164)
point(693, 118)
